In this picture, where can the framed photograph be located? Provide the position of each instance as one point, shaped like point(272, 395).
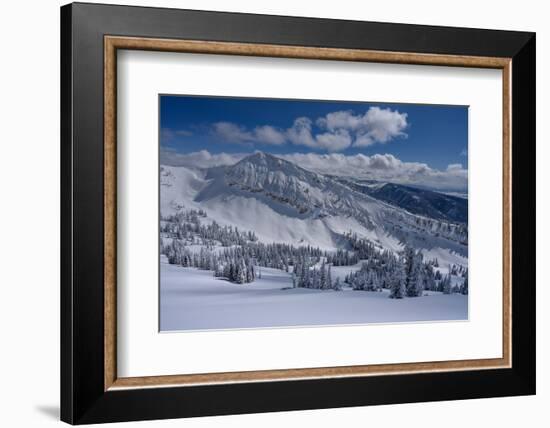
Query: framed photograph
point(266, 213)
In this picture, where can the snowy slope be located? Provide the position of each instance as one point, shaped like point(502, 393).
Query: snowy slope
point(266, 303)
point(282, 202)
point(424, 202)
point(178, 188)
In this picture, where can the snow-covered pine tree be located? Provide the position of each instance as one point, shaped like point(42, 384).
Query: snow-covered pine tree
point(249, 271)
point(413, 272)
point(397, 283)
point(358, 279)
point(446, 288)
point(323, 277)
point(232, 272)
point(464, 287)
point(218, 271)
point(240, 274)
point(315, 278)
point(227, 270)
point(428, 277)
point(375, 282)
point(242, 278)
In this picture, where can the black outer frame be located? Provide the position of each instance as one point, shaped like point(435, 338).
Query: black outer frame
point(83, 399)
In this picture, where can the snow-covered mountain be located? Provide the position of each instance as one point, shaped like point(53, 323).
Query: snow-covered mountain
point(282, 202)
point(287, 187)
point(424, 202)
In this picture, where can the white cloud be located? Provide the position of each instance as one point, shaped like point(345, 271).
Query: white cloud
point(340, 119)
point(383, 124)
point(232, 133)
point(200, 159)
point(384, 167)
point(300, 133)
point(269, 135)
point(377, 125)
point(338, 130)
point(170, 134)
point(454, 167)
point(334, 142)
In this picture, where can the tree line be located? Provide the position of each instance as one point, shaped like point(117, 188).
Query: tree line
point(238, 253)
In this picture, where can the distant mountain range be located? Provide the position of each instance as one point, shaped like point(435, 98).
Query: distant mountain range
point(424, 202)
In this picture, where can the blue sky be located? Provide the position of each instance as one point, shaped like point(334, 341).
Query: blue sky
point(423, 145)
point(432, 134)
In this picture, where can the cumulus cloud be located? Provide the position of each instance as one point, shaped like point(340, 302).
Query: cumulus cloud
point(269, 135)
point(233, 133)
point(340, 119)
point(334, 142)
point(333, 133)
point(377, 125)
point(385, 167)
point(300, 132)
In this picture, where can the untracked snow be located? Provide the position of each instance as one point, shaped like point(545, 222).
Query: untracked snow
point(192, 299)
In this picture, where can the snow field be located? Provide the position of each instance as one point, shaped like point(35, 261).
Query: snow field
point(193, 299)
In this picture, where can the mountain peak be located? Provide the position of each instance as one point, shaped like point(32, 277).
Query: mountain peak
point(260, 155)
point(277, 179)
point(261, 158)
point(270, 164)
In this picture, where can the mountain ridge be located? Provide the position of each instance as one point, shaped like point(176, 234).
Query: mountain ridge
point(284, 202)
point(416, 200)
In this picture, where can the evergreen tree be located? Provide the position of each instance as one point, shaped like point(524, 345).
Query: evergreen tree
point(413, 272)
point(446, 286)
point(239, 257)
point(323, 277)
point(429, 278)
point(464, 288)
point(397, 284)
